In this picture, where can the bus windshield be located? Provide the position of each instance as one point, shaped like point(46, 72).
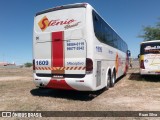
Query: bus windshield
point(60, 20)
point(150, 48)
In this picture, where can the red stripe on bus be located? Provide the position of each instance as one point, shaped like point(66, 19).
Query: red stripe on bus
point(59, 85)
point(57, 49)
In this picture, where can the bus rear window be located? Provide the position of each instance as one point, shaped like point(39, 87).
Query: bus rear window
point(60, 20)
point(150, 48)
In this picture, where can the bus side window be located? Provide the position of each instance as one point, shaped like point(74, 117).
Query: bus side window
point(96, 18)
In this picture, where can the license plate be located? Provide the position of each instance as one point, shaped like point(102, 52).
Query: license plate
point(57, 76)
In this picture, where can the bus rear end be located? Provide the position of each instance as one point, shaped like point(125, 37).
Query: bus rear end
point(60, 49)
point(150, 58)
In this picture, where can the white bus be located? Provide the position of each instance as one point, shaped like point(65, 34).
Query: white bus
point(150, 57)
point(75, 49)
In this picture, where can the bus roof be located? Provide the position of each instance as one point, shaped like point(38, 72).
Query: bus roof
point(76, 5)
point(151, 41)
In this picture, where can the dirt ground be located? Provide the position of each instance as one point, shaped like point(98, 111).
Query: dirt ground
point(130, 93)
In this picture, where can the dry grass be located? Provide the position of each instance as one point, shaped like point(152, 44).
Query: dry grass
point(131, 93)
point(10, 72)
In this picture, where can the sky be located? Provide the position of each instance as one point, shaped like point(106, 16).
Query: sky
point(127, 18)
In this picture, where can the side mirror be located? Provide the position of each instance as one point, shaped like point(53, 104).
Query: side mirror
point(128, 53)
point(138, 55)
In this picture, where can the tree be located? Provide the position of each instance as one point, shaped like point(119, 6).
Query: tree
point(151, 33)
point(28, 64)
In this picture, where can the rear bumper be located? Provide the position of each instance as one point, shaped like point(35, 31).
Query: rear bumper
point(80, 84)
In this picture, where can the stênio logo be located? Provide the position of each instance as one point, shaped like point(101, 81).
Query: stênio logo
point(45, 22)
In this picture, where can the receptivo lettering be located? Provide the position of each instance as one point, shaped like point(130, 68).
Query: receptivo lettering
point(75, 63)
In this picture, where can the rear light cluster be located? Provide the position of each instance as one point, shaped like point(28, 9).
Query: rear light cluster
point(33, 64)
point(142, 64)
point(89, 65)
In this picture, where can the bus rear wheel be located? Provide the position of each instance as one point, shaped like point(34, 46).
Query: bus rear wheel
point(113, 79)
point(108, 81)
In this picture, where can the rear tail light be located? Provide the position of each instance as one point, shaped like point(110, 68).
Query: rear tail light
point(33, 64)
point(142, 64)
point(89, 65)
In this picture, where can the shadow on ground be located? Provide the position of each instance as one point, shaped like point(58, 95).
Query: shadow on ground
point(148, 78)
point(74, 95)
point(119, 79)
point(68, 94)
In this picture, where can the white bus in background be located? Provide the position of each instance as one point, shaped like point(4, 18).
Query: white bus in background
point(150, 57)
point(75, 49)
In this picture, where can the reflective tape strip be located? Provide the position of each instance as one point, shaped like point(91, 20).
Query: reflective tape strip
point(60, 68)
point(75, 68)
point(67, 68)
point(71, 68)
point(83, 68)
point(79, 68)
point(49, 68)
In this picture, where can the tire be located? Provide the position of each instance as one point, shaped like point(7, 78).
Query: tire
point(108, 81)
point(113, 79)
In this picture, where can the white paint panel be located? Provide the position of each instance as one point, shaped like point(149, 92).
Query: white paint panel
point(61, 20)
point(42, 53)
point(75, 56)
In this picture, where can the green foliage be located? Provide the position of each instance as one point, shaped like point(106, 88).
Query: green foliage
point(151, 33)
point(28, 64)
